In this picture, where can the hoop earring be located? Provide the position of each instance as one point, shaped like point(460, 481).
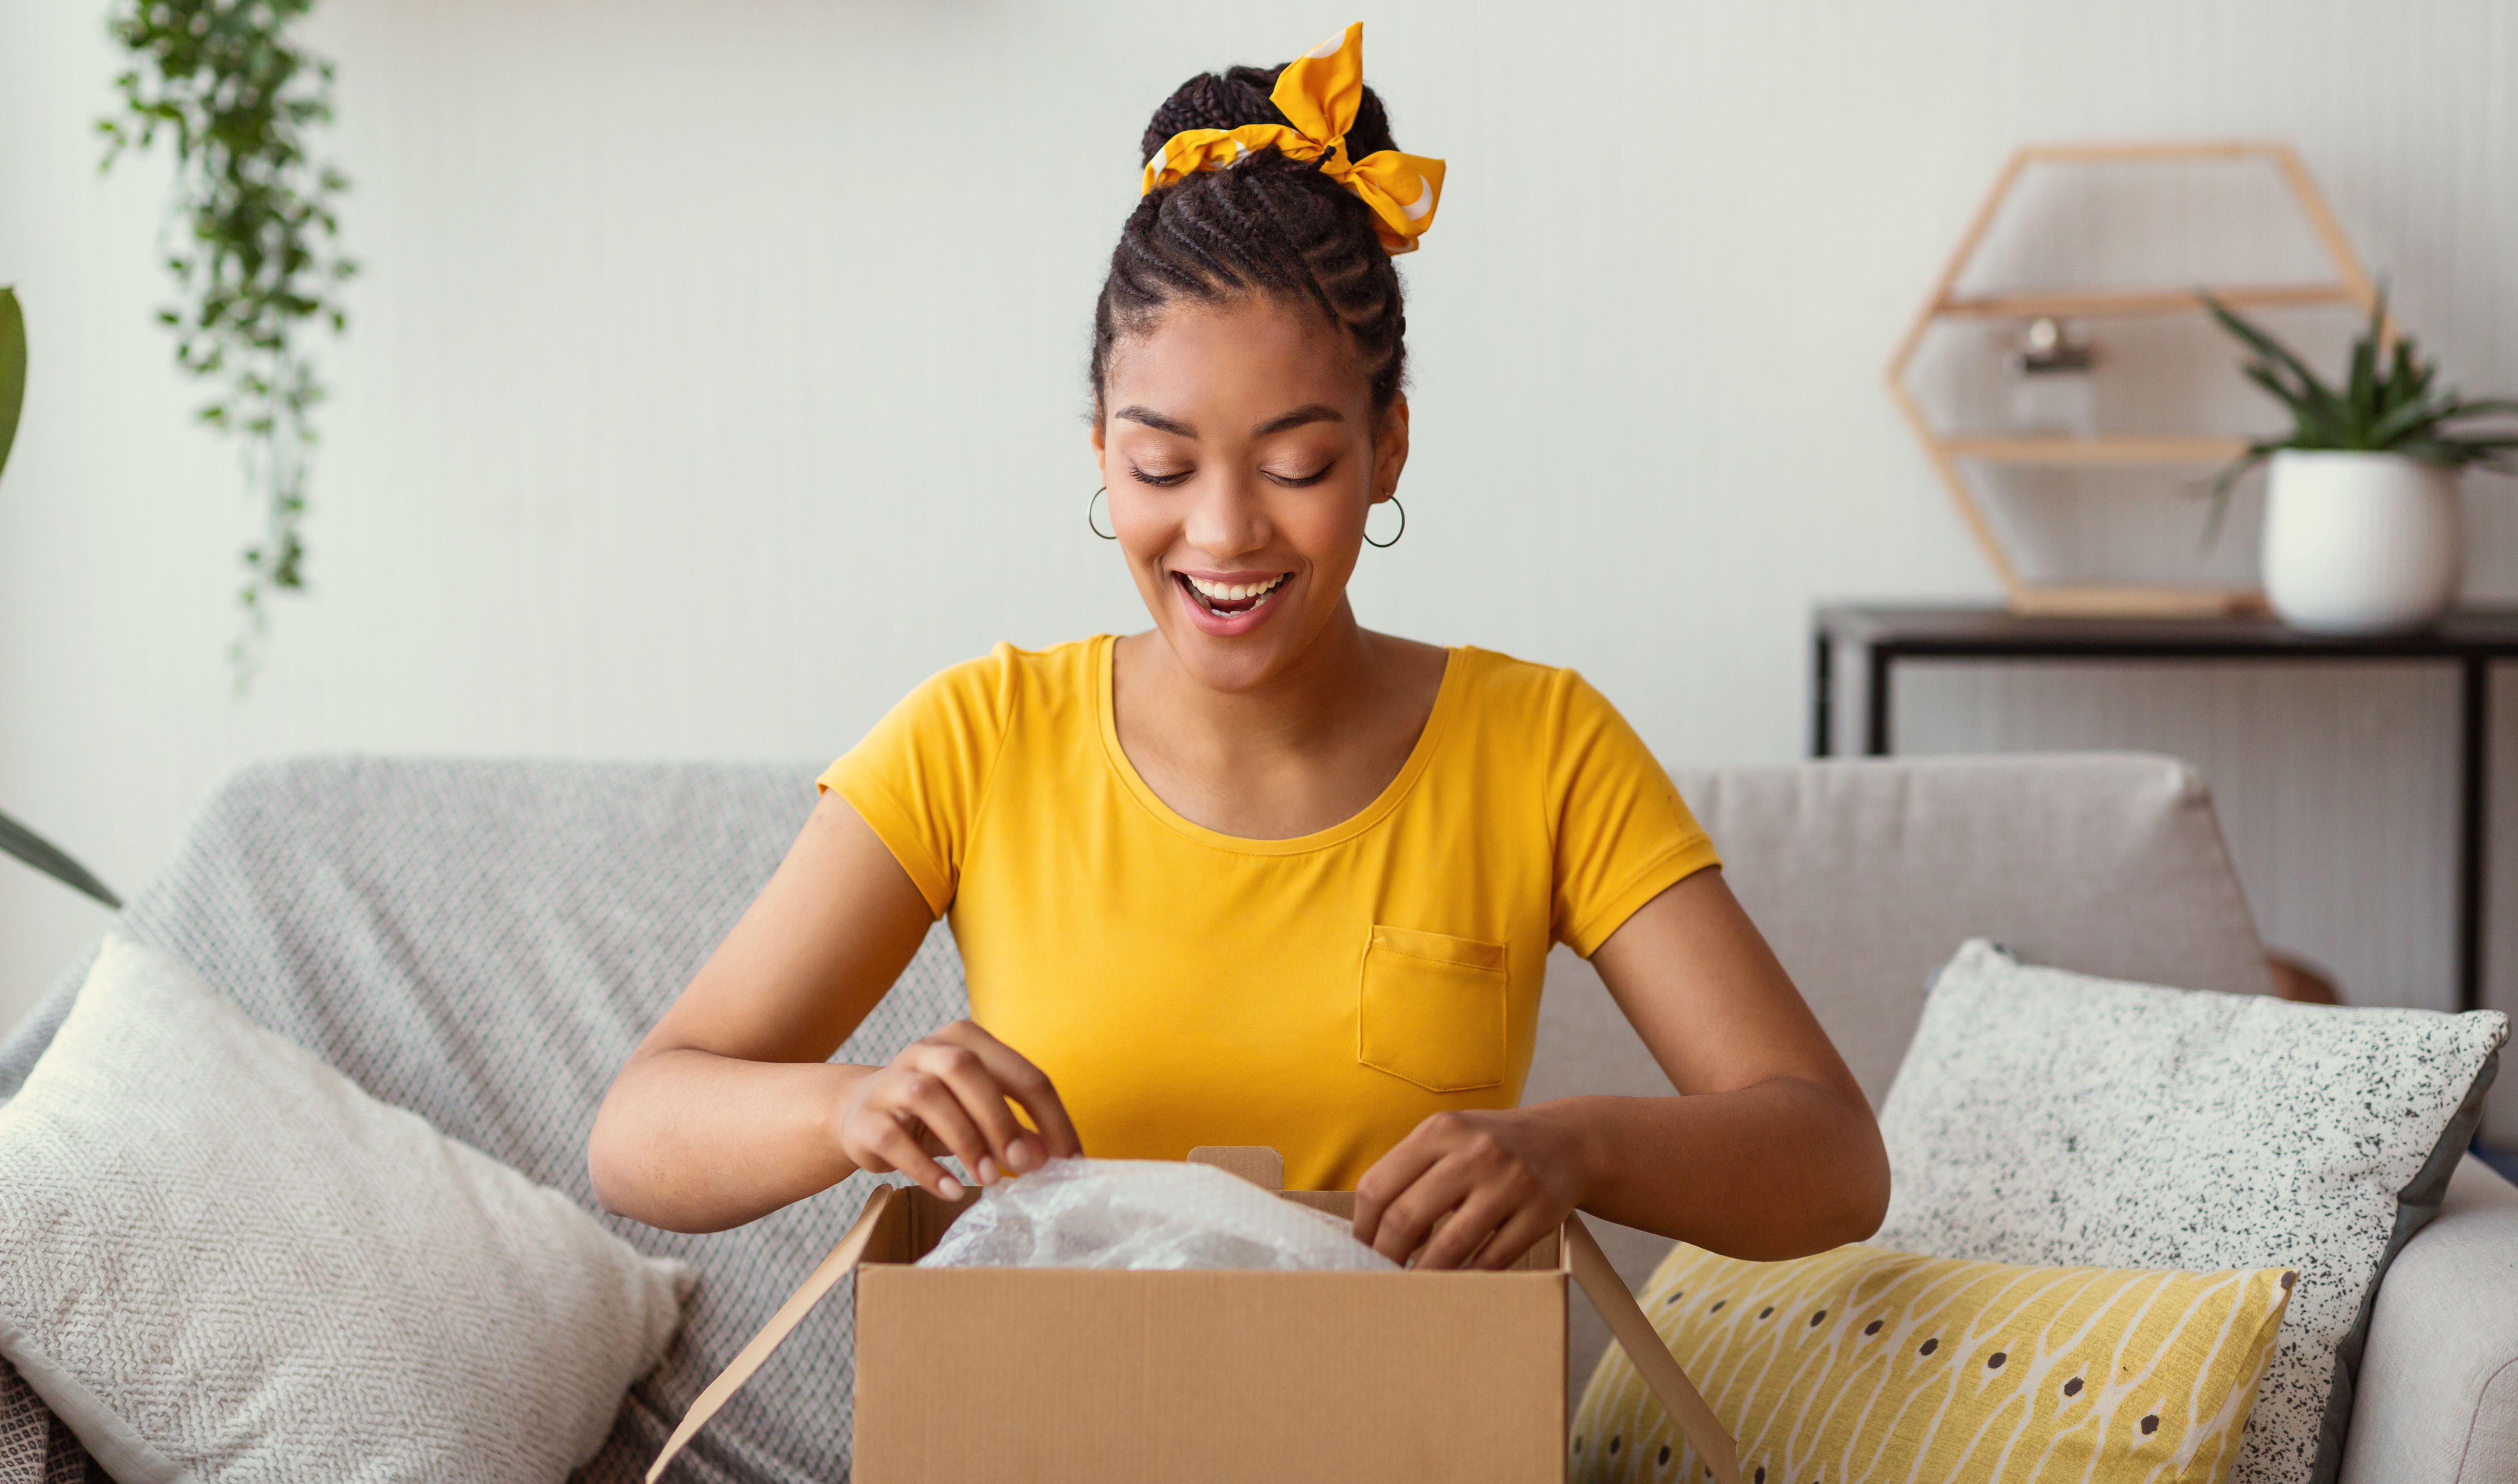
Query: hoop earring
point(1385, 546)
point(1088, 515)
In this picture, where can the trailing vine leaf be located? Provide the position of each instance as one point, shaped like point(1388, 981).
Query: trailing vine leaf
point(254, 243)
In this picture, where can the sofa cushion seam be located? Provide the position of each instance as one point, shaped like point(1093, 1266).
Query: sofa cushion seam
point(2482, 1394)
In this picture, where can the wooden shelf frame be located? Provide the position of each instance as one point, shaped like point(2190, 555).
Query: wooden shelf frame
point(1950, 452)
point(2094, 304)
point(2119, 448)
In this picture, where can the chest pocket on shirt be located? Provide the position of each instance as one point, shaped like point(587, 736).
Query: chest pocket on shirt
point(1432, 1009)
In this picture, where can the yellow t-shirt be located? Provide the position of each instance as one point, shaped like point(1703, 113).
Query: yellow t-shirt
point(1322, 994)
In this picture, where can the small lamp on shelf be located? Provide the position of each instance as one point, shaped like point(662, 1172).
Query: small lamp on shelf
point(2052, 389)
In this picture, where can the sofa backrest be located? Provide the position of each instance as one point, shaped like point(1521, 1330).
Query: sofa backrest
point(1866, 876)
point(484, 942)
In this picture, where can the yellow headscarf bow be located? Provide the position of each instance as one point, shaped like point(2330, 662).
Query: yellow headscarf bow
point(1320, 90)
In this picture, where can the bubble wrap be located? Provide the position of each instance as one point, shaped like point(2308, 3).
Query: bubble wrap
point(1145, 1213)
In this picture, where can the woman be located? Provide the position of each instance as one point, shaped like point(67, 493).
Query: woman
point(1256, 875)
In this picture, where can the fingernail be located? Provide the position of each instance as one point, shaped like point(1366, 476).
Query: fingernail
point(948, 1188)
point(987, 1170)
point(1022, 1153)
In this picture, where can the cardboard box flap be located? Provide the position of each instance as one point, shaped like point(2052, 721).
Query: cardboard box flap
point(842, 1259)
point(1591, 1268)
point(1659, 1368)
point(1257, 1164)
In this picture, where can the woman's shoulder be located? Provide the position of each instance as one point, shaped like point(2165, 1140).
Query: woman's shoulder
point(1546, 716)
point(1056, 662)
point(1514, 688)
point(1008, 666)
point(1009, 680)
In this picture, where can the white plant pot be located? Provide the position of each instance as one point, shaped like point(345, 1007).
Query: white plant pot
point(2360, 542)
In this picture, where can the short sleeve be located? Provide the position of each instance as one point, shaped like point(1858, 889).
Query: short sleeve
point(1623, 835)
point(920, 777)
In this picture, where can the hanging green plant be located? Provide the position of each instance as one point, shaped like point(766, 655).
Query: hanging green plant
point(254, 243)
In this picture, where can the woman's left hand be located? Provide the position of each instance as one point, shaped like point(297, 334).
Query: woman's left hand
point(1470, 1189)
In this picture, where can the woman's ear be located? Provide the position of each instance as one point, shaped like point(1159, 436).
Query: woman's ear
point(1389, 448)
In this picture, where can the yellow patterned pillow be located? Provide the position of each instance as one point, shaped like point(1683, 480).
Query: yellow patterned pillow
point(1861, 1365)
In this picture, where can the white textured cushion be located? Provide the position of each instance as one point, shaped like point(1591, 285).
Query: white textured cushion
point(221, 1261)
point(2048, 1118)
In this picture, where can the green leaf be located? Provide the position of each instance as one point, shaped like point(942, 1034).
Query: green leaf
point(2411, 420)
point(2271, 349)
point(2362, 396)
point(45, 857)
point(2423, 371)
point(2307, 420)
point(12, 370)
point(2227, 479)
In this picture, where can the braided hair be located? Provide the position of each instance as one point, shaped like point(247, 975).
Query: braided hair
point(1267, 226)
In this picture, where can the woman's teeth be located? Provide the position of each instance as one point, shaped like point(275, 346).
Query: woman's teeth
point(1227, 598)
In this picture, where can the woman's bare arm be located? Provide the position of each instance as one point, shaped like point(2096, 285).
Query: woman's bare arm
point(1769, 1151)
point(729, 1110)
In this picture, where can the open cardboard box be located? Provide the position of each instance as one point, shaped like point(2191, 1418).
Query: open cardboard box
point(1064, 1375)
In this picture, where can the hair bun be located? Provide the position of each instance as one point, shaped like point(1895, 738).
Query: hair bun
point(1239, 96)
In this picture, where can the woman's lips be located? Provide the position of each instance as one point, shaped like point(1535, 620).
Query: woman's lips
point(1239, 607)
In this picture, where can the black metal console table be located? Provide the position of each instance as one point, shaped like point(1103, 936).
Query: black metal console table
point(1879, 636)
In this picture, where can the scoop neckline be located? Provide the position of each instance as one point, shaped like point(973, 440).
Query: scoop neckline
point(1419, 758)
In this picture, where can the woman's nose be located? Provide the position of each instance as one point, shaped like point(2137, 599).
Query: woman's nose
point(1227, 520)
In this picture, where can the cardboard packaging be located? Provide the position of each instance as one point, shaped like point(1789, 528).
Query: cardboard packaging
point(1073, 1375)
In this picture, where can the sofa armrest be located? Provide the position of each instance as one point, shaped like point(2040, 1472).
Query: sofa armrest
point(2438, 1382)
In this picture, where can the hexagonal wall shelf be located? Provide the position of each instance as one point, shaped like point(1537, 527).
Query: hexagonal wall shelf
point(1950, 452)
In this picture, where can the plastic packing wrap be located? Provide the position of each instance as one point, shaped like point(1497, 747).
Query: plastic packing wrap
point(1145, 1213)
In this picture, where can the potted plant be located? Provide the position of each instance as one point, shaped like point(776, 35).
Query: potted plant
point(2364, 530)
point(15, 838)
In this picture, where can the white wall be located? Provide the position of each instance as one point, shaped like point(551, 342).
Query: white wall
point(718, 368)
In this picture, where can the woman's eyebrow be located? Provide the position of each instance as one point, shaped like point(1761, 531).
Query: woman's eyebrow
point(1317, 411)
point(1154, 419)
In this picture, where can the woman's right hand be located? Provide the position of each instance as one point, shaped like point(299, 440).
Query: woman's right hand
point(954, 1093)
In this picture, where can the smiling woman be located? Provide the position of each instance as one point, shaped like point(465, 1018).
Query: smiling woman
point(1241, 455)
point(1257, 875)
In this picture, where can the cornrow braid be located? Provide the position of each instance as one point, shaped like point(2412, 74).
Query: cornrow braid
point(1267, 226)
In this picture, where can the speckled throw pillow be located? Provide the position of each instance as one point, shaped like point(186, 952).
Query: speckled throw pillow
point(2047, 1117)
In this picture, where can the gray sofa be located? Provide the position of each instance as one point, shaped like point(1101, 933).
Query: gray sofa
point(482, 942)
